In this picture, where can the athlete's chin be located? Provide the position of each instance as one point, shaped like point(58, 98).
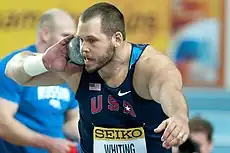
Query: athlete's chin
point(91, 69)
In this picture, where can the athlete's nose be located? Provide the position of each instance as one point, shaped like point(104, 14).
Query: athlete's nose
point(84, 47)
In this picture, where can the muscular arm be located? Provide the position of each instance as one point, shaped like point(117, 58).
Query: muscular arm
point(70, 127)
point(165, 86)
point(15, 132)
point(14, 70)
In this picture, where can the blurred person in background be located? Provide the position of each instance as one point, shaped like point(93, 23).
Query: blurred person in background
point(201, 132)
point(201, 136)
point(189, 146)
point(39, 119)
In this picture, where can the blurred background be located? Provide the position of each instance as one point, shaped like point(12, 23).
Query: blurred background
point(193, 33)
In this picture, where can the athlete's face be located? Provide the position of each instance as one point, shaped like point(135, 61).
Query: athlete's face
point(97, 48)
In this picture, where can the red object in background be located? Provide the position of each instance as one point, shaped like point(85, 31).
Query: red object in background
point(73, 149)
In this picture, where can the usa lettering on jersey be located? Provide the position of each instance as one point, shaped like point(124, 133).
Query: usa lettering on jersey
point(113, 105)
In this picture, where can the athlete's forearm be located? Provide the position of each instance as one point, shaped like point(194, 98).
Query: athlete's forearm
point(172, 101)
point(70, 129)
point(24, 66)
point(14, 132)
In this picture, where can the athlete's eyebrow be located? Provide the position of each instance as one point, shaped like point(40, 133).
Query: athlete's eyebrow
point(91, 37)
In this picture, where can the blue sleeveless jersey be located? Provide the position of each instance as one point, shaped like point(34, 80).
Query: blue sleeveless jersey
point(121, 107)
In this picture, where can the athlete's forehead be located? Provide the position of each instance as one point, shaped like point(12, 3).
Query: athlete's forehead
point(91, 28)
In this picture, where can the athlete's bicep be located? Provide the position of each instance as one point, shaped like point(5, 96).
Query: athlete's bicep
point(164, 73)
point(169, 75)
point(166, 87)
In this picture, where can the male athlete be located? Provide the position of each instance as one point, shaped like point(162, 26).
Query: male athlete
point(38, 119)
point(129, 95)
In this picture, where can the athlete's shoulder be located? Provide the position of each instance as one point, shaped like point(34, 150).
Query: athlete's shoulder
point(153, 59)
point(139, 46)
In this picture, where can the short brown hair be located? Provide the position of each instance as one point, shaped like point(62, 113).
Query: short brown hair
point(112, 20)
point(198, 124)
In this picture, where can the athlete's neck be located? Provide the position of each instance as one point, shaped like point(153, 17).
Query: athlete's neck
point(118, 63)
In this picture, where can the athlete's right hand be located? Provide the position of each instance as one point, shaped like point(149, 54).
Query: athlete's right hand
point(59, 145)
point(56, 57)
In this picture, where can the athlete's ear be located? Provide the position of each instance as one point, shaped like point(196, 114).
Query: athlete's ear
point(117, 39)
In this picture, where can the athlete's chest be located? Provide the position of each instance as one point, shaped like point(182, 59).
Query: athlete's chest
point(100, 99)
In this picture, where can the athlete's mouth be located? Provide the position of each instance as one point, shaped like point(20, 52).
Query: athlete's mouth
point(87, 60)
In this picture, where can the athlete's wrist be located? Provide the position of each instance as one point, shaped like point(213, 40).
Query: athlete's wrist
point(33, 65)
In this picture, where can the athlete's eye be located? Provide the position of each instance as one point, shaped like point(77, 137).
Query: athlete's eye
point(92, 40)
